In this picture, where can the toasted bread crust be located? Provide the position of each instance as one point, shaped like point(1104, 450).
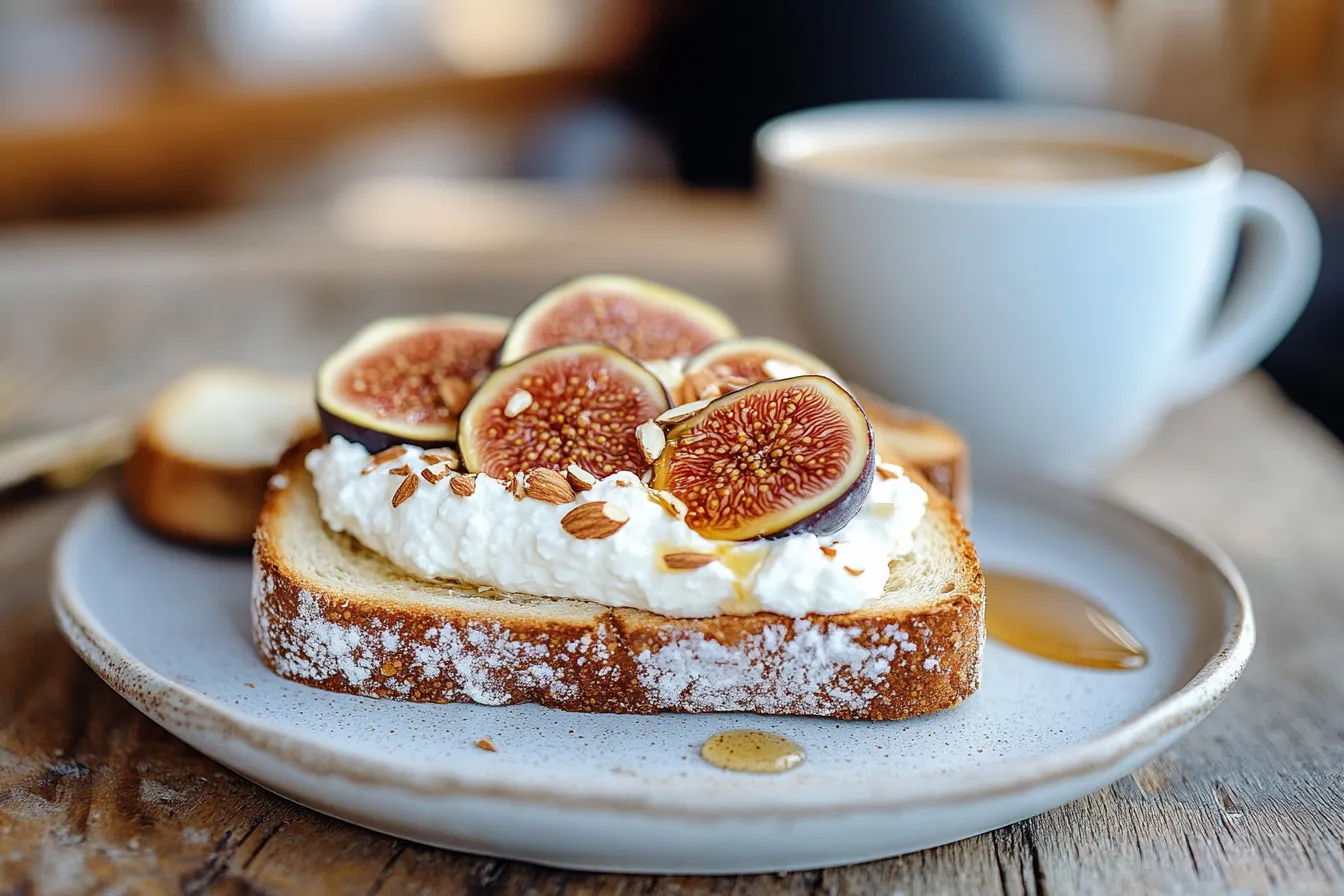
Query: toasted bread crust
point(869, 664)
point(941, 455)
point(183, 499)
point(181, 493)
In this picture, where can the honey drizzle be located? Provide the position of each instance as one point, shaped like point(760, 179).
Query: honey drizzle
point(758, 752)
point(743, 563)
point(1057, 623)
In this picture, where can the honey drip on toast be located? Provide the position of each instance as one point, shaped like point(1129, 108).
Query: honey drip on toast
point(1057, 623)
point(759, 752)
point(743, 564)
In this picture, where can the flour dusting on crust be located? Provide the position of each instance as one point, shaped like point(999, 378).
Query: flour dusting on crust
point(801, 666)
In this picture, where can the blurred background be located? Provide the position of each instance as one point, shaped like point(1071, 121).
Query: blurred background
point(160, 154)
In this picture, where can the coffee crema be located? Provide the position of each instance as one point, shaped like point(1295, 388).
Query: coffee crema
point(1020, 160)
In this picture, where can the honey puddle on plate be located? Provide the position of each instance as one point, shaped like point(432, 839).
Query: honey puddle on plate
point(752, 751)
point(1039, 617)
point(1057, 623)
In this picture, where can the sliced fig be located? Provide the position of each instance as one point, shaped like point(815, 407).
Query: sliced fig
point(771, 459)
point(573, 404)
point(645, 320)
point(406, 379)
point(734, 363)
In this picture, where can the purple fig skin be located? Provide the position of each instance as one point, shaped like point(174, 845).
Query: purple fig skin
point(836, 515)
point(373, 440)
point(348, 415)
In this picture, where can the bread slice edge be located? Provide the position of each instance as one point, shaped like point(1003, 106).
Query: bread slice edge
point(188, 496)
point(445, 642)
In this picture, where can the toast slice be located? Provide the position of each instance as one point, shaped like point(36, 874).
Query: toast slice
point(205, 448)
point(924, 443)
point(328, 613)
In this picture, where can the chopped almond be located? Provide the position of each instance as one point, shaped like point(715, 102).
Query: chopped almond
point(517, 403)
point(596, 519)
point(405, 490)
point(579, 478)
point(454, 392)
point(688, 559)
point(549, 486)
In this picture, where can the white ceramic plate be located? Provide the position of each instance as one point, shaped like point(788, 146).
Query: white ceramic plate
point(168, 628)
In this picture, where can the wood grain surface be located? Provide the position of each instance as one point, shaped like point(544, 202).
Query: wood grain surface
point(95, 798)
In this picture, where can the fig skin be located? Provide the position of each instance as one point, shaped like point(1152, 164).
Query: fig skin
point(646, 320)
point(372, 440)
point(732, 361)
point(824, 510)
point(539, 432)
point(425, 419)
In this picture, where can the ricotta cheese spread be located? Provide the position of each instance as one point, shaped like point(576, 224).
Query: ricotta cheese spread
point(491, 538)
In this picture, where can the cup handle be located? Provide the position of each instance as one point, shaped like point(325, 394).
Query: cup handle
point(1278, 271)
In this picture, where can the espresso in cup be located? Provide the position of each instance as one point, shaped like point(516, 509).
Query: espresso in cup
point(1008, 160)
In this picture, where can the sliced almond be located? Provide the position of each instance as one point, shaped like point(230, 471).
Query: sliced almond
point(432, 477)
point(517, 403)
point(442, 456)
point(405, 490)
point(463, 484)
point(486, 744)
point(382, 457)
point(688, 559)
point(403, 470)
point(549, 486)
point(518, 485)
point(671, 503)
point(651, 440)
point(596, 519)
point(828, 550)
point(680, 412)
point(852, 571)
point(889, 471)
point(454, 392)
point(580, 478)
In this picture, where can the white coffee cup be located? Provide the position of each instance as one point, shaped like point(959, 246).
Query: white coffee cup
point(1052, 320)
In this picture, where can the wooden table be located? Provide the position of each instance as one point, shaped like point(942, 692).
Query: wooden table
point(95, 798)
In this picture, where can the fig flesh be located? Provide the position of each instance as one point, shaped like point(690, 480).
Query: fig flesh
point(771, 459)
point(645, 320)
point(572, 404)
point(734, 363)
point(406, 379)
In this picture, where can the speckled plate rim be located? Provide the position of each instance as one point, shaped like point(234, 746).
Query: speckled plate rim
point(179, 706)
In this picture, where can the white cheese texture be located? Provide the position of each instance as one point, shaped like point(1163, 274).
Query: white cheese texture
point(492, 538)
